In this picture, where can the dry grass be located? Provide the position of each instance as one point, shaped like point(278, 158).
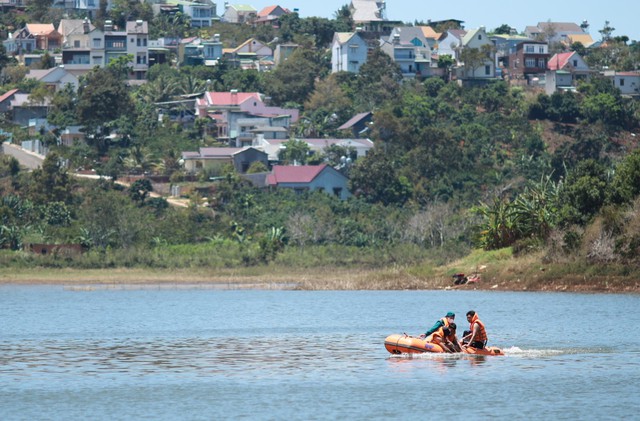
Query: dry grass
point(498, 270)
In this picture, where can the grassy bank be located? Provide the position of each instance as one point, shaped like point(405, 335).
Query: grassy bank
point(499, 270)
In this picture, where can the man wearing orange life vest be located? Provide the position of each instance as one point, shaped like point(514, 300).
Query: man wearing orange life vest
point(444, 322)
point(477, 337)
point(439, 337)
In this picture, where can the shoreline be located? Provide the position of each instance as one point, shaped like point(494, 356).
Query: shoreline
point(298, 279)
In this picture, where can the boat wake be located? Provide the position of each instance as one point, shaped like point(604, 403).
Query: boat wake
point(513, 351)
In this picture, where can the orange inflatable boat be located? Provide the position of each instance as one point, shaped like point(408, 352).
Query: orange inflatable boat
point(405, 344)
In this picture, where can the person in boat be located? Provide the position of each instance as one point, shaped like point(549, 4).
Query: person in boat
point(440, 338)
point(452, 339)
point(476, 336)
point(444, 322)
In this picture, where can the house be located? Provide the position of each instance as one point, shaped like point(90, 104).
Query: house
point(481, 67)
point(348, 52)
point(553, 32)
point(558, 80)
point(563, 70)
point(505, 45)
point(273, 147)
point(528, 61)
point(5, 100)
point(227, 108)
point(584, 39)
point(55, 78)
point(22, 109)
point(371, 16)
point(250, 55)
point(197, 51)
point(20, 42)
point(282, 52)
point(212, 159)
point(86, 46)
point(82, 46)
point(572, 62)
point(46, 36)
point(358, 124)
point(627, 82)
point(201, 14)
point(305, 178)
point(408, 47)
point(74, 32)
point(239, 13)
point(270, 15)
point(450, 42)
point(430, 35)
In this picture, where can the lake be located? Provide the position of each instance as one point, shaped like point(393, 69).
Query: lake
point(168, 353)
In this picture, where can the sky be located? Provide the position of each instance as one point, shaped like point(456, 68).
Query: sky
point(623, 15)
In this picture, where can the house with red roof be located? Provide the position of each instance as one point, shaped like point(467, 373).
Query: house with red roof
point(228, 109)
point(564, 70)
point(46, 36)
point(270, 15)
point(307, 178)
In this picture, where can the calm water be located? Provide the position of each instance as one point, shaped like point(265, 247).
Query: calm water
point(191, 354)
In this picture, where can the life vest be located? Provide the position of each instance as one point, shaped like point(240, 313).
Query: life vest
point(436, 337)
point(445, 321)
point(482, 334)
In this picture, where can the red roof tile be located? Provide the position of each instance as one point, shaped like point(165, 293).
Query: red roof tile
point(294, 174)
point(231, 98)
point(558, 61)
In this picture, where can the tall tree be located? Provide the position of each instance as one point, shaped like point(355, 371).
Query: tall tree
point(102, 100)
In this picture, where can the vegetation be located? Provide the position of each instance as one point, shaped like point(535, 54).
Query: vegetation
point(453, 170)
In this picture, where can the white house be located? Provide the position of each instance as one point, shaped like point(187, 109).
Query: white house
point(239, 13)
point(485, 69)
point(627, 82)
point(348, 52)
point(56, 77)
point(450, 42)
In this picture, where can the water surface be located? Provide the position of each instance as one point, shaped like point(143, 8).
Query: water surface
point(166, 354)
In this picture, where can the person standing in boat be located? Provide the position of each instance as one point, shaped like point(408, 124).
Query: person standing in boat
point(476, 336)
point(444, 322)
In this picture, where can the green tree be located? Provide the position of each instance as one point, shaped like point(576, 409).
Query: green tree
point(376, 178)
point(139, 190)
point(50, 183)
point(344, 20)
point(102, 99)
point(625, 186)
point(294, 80)
point(583, 192)
point(503, 29)
point(295, 151)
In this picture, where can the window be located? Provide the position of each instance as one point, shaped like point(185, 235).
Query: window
point(138, 42)
point(542, 63)
point(480, 36)
point(337, 191)
point(621, 82)
point(530, 62)
point(575, 63)
point(76, 44)
point(487, 70)
point(541, 49)
point(97, 42)
point(529, 49)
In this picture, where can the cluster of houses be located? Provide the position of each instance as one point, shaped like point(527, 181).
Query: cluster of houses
point(253, 129)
